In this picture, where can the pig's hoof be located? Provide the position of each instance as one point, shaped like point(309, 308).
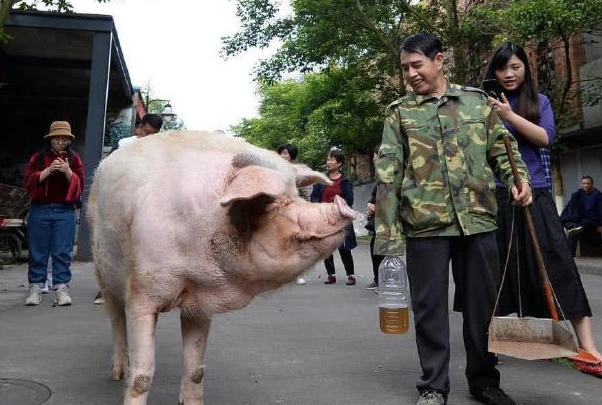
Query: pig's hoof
point(119, 372)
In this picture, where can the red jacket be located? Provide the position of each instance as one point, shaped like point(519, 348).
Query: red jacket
point(56, 188)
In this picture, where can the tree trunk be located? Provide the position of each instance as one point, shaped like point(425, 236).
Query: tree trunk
point(568, 77)
point(5, 7)
point(568, 82)
point(458, 49)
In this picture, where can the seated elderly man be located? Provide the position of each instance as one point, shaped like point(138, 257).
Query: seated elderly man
point(583, 214)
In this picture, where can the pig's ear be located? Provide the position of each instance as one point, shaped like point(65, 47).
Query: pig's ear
point(251, 182)
point(305, 177)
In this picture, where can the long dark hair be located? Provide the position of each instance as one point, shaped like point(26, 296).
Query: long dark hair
point(40, 155)
point(527, 105)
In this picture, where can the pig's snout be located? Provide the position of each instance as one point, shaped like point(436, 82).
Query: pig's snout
point(344, 209)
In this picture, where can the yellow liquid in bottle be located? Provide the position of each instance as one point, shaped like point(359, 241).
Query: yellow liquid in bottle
point(394, 320)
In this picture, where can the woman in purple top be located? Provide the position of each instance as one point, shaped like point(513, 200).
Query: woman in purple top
point(529, 117)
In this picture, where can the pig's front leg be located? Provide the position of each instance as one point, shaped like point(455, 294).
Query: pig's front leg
point(195, 331)
point(142, 326)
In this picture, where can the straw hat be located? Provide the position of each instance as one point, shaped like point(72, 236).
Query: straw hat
point(60, 128)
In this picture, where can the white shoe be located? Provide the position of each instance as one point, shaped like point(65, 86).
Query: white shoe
point(35, 296)
point(99, 299)
point(61, 296)
point(300, 281)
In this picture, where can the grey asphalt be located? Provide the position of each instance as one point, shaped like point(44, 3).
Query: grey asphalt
point(314, 344)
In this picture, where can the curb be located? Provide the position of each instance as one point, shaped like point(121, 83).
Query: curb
point(589, 266)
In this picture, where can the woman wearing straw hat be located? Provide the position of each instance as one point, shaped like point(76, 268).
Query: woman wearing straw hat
point(54, 179)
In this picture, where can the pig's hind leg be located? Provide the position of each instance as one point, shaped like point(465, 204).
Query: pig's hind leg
point(195, 330)
point(119, 368)
point(142, 323)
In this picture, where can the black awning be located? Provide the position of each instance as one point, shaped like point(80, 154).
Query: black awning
point(50, 55)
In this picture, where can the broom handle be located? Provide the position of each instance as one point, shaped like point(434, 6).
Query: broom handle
point(538, 256)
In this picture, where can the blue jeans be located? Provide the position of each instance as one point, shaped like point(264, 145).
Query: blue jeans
point(50, 231)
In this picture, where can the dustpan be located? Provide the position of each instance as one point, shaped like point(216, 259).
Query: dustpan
point(526, 337)
point(530, 338)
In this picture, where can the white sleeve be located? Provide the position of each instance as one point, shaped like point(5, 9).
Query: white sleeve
point(128, 140)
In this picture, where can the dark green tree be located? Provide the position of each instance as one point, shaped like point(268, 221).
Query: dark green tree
point(552, 24)
point(321, 33)
point(332, 108)
point(354, 45)
point(7, 5)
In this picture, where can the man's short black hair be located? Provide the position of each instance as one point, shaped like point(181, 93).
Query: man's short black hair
point(154, 120)
point(423, 42)
point(590, 178)
point(290, 148)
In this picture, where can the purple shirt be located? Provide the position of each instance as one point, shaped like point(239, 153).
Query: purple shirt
point(529, 152)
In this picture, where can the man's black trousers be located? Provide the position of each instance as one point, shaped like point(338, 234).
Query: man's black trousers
point(476, 274)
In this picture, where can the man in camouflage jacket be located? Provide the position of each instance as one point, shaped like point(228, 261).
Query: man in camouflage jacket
point(436, 194)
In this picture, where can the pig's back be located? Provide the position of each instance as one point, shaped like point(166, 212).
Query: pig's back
point(154, 203)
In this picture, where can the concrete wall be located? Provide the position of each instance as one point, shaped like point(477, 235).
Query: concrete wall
point(586, 160)
point(593, 46)
point(361, 196)
point(590, 87)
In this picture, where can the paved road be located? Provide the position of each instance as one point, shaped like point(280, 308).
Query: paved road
point(302, 345)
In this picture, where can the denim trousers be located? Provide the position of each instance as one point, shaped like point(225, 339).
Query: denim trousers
point(50, 232)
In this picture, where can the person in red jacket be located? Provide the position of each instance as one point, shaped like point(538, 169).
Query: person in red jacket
point(54, 179)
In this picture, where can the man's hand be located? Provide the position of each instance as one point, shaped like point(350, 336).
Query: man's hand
point(523, 198)
point(370, 208)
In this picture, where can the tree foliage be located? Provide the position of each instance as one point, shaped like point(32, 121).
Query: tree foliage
point(7, 5)
point(355, 47)
point(553, 23)
point(322, 110)
point(320, 33)
point(363, 37)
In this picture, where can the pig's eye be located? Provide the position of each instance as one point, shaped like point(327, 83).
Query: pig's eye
point(301, 237)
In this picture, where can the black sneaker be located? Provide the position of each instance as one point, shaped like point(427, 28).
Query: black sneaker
point(431, 397)
point(331, 280)
point(493, 395)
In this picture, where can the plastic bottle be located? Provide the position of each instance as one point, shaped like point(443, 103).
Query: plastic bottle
point(394, 296)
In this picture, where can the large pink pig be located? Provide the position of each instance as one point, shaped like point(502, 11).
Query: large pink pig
point(202, 222)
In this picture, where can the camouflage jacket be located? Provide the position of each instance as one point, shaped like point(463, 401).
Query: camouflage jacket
point(434, 171)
